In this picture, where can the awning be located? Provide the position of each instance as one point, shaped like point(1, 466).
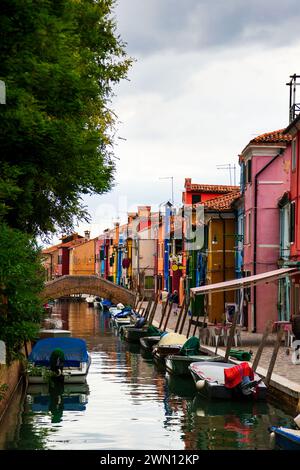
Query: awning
point(245, 281)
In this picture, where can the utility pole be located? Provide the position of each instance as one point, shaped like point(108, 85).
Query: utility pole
point(172, 181)
point(229, 166)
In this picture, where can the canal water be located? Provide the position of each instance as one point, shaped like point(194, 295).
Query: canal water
point(129, 403)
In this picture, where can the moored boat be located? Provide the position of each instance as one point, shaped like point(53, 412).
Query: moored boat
point(179, 365)
point(227, 381)
point(285, 438)
point(170, 343)
point(147, 342)
point(65, 358)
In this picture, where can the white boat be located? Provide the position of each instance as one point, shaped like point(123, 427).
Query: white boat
point(90, 300)
point(210, 380)
point(73, 368)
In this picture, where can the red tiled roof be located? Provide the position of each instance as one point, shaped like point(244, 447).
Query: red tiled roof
point(272, 137)
point(222, 202)
point(78, 241)
point(213, 188)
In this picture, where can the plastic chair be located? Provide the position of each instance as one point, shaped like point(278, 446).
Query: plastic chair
point(216, 336)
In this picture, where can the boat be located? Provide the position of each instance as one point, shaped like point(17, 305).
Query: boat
point(90, 300)
point(44, 333)
point(73, 357)
point(179, 365)
point(170, 343)
point(147, 342)
point(224, 380)
point(285, 438)
point(98, 303)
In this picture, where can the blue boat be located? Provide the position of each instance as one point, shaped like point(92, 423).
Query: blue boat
point(74, 366)
point(286, 438)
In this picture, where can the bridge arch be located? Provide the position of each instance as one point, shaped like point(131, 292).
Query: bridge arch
point(65, 286)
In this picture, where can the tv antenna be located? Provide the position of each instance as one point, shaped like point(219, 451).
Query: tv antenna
point(229, 166)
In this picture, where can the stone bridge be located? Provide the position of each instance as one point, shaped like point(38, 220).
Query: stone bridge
point(93, 285)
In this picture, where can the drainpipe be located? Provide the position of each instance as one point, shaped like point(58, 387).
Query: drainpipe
point(224, 257)
point(255, 229)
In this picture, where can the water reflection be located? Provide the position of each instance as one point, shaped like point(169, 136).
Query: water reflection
point(56, 398)
point(131, 404)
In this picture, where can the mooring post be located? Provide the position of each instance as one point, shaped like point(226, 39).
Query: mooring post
point(274, 356)
point(186, 311)
point(163, 314)
point(180, 315)
point(168, 316)
point(262, 345)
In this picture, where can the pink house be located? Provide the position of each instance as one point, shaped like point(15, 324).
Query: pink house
point(265, 163)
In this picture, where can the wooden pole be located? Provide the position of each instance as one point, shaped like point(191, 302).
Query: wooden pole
point(190, 326)
point(152, 315)
point(180, 314)
point(148, 309)
point(142, 301)
point(186, 311)
point(231, 335)
point(163, 314)
point(168, 316)
point(274, 356)
point(136, 300)
point(196, 325)
point(262, 345)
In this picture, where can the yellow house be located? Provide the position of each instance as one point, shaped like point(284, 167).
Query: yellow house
point(220, 221)
point(82, 259)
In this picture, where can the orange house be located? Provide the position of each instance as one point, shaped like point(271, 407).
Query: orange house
point(82, 259)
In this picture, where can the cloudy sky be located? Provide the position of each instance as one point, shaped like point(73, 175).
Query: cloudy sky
point(208, 77)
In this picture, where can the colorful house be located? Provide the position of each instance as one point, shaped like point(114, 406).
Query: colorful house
point(265, 165)
point(194, 259)
point(220, 221)
point(82, 258)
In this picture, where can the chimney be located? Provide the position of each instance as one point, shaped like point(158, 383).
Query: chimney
point(188, 183)
point(87, 235)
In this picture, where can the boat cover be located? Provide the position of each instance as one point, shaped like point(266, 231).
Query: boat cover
point(235, 375)
point(74, 350)
point(172, 339)
point(190, 347)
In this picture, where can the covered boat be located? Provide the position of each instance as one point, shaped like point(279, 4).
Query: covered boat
point(227, 381)
point(178, 364)
point(65, 357)
point(170, 343)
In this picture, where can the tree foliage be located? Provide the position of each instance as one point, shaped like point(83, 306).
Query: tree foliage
point(60, 60)
point(21, 281)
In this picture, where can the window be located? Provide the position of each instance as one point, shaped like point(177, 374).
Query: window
point(149, 282)
point(249, 228)
point(196, 198)
point(292, 222)
point(249, 171)
point(59, 259)
point(294, 155)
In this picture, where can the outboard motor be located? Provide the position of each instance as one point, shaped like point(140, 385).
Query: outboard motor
point(57, 360)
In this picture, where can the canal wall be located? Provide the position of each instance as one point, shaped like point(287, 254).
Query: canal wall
point(11, 376)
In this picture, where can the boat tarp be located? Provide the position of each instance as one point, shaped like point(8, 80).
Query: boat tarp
point(190, 347)
point(153, 331)
point(172, 338)
point(74, 349)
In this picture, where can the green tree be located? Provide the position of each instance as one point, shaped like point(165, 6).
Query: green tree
point(21, 281)
point(60, 60)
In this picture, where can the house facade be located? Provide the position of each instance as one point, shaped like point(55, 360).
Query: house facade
point(266, 178)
